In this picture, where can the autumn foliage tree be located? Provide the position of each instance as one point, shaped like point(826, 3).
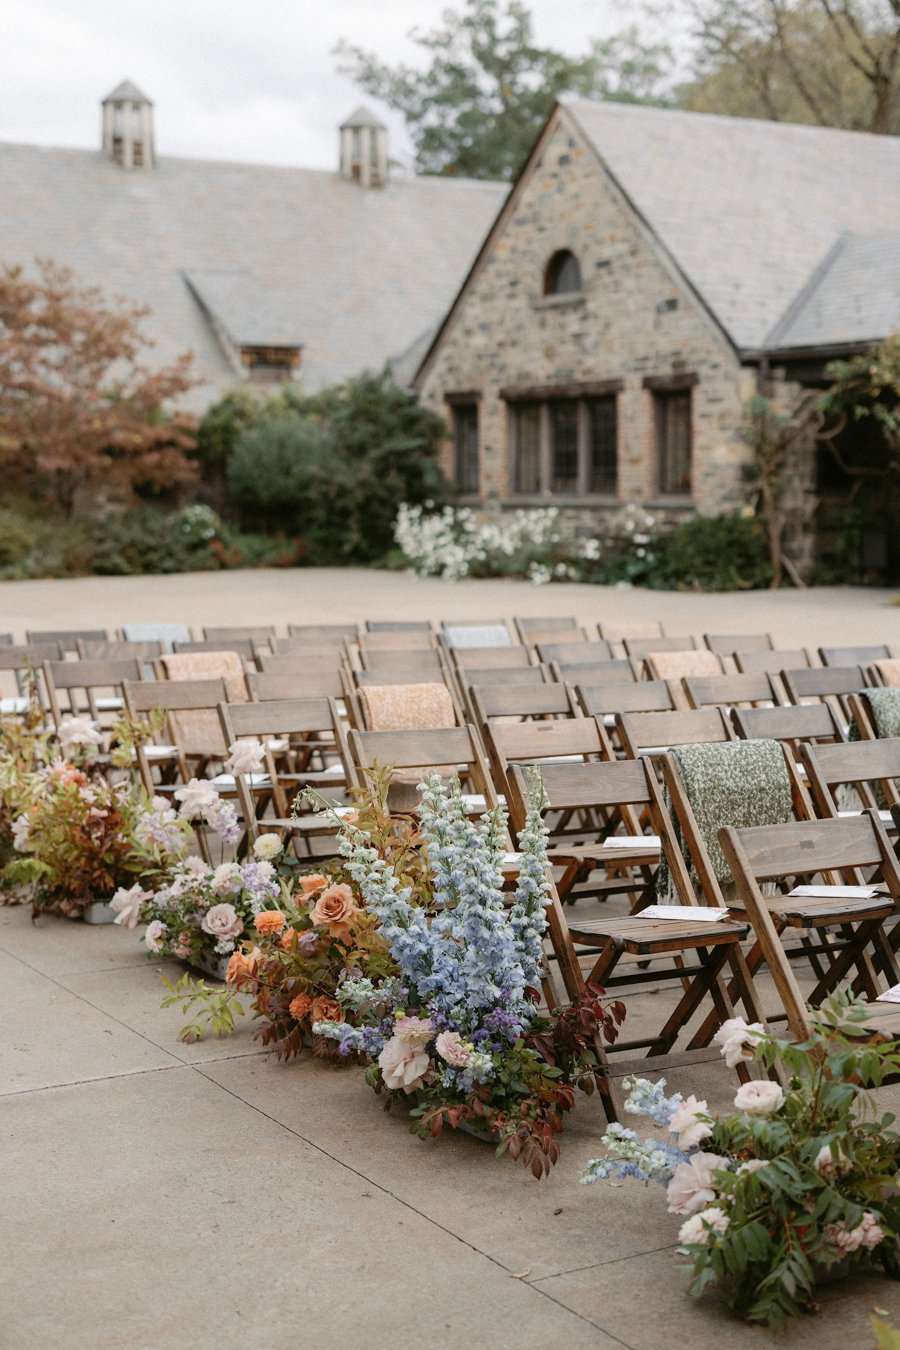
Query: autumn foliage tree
point(82, 411)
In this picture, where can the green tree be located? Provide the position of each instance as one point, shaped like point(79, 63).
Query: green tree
point(833, 63)
point(476, 108)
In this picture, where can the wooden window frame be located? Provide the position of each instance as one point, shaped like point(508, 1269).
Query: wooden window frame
point(544, 397)
point(463, 460)
point(662, 396)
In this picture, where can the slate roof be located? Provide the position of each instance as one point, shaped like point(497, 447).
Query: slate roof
point(359, 273)
point(854, 297)
point(251, 315)
point(127, 90)
point(750, 209)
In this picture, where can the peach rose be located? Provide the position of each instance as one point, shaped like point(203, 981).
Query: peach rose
point(242, 967)
point(314, 882)
point(693, 1187)
point(300, 1006)
point(325, 1009)
point(336, 910)
point(268, 922)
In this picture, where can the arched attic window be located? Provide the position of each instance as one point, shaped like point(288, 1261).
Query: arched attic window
point(563, 275)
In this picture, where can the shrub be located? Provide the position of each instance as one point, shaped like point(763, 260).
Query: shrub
point(18, 536)
point(334, 467)
point(718, 553)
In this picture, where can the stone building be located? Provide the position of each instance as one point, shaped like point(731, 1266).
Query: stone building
point(265, 273)
point(649, 271)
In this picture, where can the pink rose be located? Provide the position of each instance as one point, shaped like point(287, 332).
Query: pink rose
point(451, 1049)
point(699, 1228)
point(686, 1123)
point(692, 1186)
point(222, 922)
point(868, 1233)
point(403, 1066)
point(759, 1099)
point(127, 904)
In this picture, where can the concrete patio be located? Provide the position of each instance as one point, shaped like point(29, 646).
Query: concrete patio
point(160, 1195)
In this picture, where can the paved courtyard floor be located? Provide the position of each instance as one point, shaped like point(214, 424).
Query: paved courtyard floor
point(159, 1195)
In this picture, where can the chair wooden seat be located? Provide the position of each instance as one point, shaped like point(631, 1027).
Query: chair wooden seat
point(818, 912)
point(649, 937)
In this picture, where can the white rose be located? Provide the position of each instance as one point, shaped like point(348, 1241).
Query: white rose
point(735, 1038)
point(759, 1099)
point(402, 1065)
point(266, 847)
point(78, 731)
point(827, 1165)
point(245, 756)
point(686, 1123)
point(692, 1186)
point(155, 936)
point(701, 1227)
point(226, 878)
point(20, 833)
point(197, 798)
point(127, 905)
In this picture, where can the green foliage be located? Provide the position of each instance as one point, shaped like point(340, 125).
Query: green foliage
point(717, 553)
point(477, 107)
point(213, 1007)
point(332, 467)
point(18, 537)
point(826, 62)
point(220, 427)
point(828, 1159)
point(886, 1337)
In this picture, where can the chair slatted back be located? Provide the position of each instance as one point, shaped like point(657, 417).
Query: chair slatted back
point(146, 651)
point(90, 678)
point(652, 733)
point(575, 653)
point(641, 647)
point(483, 658)
point(833, 683)
point(574, 738)
point(729, 691)
point(399, 626)
point(67, 638)
point(322, 634)
point(397, 639)
point(522, 702)
point(266, 686)
point(617, 671)
point(532, 629)
point(179, 699)
point(866, 766)
point(243, 647)
point(854, 656)
point(727, 644)
point(258, 634)
point(772, 660)
point(795, 725)
point(450, 751)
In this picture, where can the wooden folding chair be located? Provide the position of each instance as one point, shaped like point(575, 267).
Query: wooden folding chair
point(521, 702)
point(885, 673)
point(575, 739)
point(793, 725)
point(772, 660)
point(582, 653)
point(67, 638)
point(304, 746)
point(483, 633)
point(450, 752)
point(830, 684)
point(146, 651)
point(191, 725)
point(653, 733)
point(618, 671)
point(727, 644)
point(265, 686)
point(729, 691)
point(259, 634)
point(25, 665)
point(846, 849)
point(612, 811)
point(694, 953)
point(243, 647)
point(399, 626)
point(407, 706)
point(676, 666)
point(875, 713)
point(533, 629)
point(854, 656)
point(871, 768)
point(100, 683)
point(638, 648)
point(426, 663)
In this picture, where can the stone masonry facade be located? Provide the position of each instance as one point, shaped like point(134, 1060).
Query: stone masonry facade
point(635, 324)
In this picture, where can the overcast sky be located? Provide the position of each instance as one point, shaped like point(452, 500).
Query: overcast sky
point(251, 80)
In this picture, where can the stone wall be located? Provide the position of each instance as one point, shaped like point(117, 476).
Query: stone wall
point(635, 318)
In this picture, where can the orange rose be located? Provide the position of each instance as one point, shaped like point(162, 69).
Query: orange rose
point(336, 910)
point(287, 939)
point(314, 882)
point(269, 921)
point(300, 1006)
point(242, 967)
point(325, 1009)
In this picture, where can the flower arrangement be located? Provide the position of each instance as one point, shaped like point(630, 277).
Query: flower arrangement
point(294, 952)
point(81, 839)
point(797, 1179)
point(457, 1029)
